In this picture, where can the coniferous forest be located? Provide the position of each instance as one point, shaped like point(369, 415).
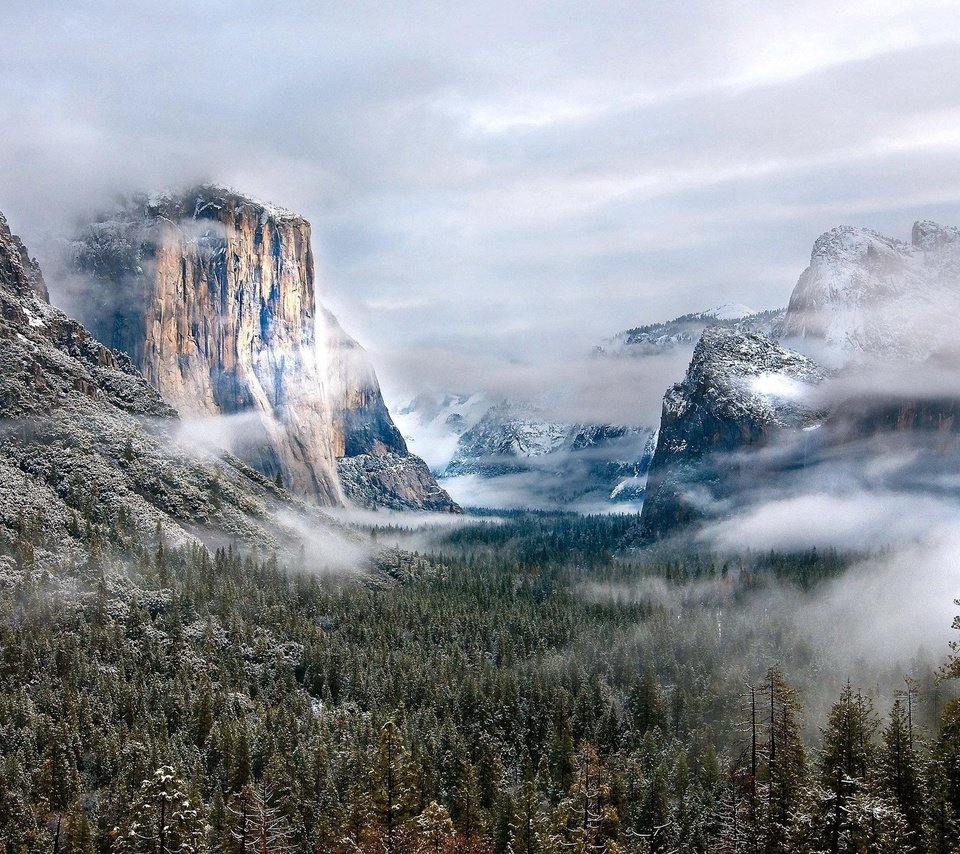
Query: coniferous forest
point(520, 689)
point(480, 428)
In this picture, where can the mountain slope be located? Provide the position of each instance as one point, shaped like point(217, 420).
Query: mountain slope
point(92, 458)
point(212, 294)
point(865, 297)
point(740, 391)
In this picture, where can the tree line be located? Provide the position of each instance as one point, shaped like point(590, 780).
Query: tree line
point(187, 700)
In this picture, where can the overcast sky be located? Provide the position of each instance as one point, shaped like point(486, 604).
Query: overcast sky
point(499, 180)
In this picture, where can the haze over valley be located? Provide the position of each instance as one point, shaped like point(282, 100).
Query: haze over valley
point(480, 429)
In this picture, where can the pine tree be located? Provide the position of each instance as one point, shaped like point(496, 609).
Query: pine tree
point(394, 792)
point(78, 832)
point(845, 801)
point(436, 829)
point(161, 819)
point(646, 704)
point(786, 762)
point(256, 824)
point(899, 768)
point(529, 827)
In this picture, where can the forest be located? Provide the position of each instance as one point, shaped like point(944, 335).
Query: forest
point(526, 690)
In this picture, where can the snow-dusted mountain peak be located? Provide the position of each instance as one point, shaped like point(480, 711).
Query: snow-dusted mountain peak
point(728, 311)
point(931, 236)
point(865, 296)
point(748, 372)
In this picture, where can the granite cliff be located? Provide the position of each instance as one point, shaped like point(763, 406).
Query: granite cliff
point(93, 460)
point(213, 296)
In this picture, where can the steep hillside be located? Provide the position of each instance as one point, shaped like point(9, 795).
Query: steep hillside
point(213, 296)
point(92, 458)
point(740, 392)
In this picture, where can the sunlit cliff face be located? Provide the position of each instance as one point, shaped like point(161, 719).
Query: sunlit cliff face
point(213, 296)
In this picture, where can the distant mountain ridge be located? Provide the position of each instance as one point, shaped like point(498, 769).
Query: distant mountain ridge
point(685, 330)
point(514, 451)
point(740, 392)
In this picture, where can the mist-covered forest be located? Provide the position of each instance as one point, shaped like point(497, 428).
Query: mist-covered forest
point(527, 690)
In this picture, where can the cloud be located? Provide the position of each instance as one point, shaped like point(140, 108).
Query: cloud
point(208, 437)
point(499, 167)
point(569, 387)
point(854, 520)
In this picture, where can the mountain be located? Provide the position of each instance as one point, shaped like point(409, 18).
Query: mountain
point(684, 331)
point(434, 423)
point(504, 440)
point(212, 295)
point(740, 392)
point(877, 380)
point(510, 453)
point(92, 458)
point(865, 297)
point(513, 454)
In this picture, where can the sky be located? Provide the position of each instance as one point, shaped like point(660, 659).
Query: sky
point(496, 187)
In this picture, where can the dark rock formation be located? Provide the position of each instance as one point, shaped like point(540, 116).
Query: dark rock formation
point(740, 392)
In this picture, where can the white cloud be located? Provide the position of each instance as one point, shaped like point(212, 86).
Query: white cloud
point(503, 167)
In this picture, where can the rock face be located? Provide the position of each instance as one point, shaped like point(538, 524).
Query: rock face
point(92, 457)
point(213, 296)
point(879, 315)
point(740, 392)
point(866, 298)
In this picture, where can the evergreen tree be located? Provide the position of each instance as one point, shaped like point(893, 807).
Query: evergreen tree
point(161, 819)
point(436, 829)
point(530, 826)
point(900, 775)
point(845, 808)
point(786, 762)
point(394, 788)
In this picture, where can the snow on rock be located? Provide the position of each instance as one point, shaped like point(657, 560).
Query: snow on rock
point(740, 391)
point(684, 331)
point(866, 297)
point(729, 311)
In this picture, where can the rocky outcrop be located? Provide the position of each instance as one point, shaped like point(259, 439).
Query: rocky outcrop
point(866, 298)
point(19, 273)
point(879, 315)
point(361, 422)
point(213, 296)
point(740, 393)
point(394, 481)
point(91, 456)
